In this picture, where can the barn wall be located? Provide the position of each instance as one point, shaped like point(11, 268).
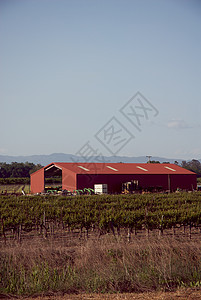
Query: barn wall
point(115, 181)
point(184, 181)
point(68, 180)
point(37, 181)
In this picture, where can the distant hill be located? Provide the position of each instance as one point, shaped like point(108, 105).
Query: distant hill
point(62, 157)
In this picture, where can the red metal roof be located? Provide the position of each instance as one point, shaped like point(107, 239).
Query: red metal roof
point(120, 168)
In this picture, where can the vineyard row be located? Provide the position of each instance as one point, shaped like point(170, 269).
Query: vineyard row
point(107, 213)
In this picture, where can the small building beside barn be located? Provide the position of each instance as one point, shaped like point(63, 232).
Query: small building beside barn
point(149, 176)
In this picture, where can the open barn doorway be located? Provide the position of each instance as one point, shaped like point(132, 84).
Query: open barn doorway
point(53, 179)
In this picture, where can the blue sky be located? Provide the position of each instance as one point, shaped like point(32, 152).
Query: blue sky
point(68, 67)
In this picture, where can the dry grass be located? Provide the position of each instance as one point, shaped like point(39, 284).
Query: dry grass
point(100, 266)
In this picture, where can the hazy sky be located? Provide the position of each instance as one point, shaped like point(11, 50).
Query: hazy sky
point(69, 67)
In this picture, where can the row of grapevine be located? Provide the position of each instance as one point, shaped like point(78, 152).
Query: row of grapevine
point(104, 212)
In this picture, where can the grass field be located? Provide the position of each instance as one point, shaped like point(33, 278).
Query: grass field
point(100, 266)
point(14, 188)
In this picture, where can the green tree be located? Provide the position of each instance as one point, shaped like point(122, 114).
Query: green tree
point(18, 170)
point(193, 165)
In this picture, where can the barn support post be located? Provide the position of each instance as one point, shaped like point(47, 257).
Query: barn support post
point(169, 183)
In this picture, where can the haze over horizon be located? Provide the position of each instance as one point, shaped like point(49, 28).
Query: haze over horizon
point(69, 70)
point(62, 157)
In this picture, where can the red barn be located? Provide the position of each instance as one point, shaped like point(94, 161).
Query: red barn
point(86, 175)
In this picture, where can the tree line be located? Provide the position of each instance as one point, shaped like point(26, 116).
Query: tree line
point(18, 170)
point(193, 165)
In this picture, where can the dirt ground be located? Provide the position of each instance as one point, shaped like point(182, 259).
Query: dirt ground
point(182, 294)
